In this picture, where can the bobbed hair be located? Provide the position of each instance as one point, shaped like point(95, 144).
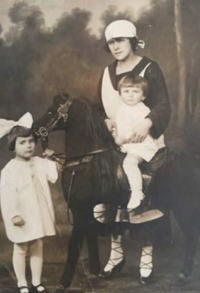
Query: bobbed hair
point(133, 80)
point(133, 42)
point(18, 131)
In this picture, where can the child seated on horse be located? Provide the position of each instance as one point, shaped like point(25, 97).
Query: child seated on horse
point(133, 90)
point(26, 202)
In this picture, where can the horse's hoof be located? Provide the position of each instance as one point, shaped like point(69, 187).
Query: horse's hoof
point(95, 269)
point(146, 280)
point(95, 274)
point(65, 282)
point(181, 278)
point(61, 289)
point(184, 275)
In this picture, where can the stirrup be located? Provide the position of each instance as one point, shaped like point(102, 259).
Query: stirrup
point(101, 215)
point(144, 214)
point(104, 214)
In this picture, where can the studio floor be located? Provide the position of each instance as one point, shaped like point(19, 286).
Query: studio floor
point(167, 263)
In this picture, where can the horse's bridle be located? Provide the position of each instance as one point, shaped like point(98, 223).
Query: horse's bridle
point(43, 132)
point(62, 112)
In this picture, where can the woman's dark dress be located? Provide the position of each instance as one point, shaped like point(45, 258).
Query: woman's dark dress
point(158, 102)
point(157, 99)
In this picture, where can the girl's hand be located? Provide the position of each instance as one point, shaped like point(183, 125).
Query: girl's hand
point(140, 131)
point(18, 221)
point(48, 153)
point(111, 125)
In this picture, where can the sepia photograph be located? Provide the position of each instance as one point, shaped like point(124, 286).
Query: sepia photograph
point(100, 146)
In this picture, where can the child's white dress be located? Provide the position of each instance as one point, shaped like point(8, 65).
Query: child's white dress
point(25, 192)
point(126, 119)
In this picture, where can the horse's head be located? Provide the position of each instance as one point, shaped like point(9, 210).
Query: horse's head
point(55, 117)
point(84, 128)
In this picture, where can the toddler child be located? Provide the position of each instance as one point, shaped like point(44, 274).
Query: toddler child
point(133, 90)
point(26, 202)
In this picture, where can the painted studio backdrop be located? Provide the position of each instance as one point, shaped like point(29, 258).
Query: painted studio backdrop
point(48, 46)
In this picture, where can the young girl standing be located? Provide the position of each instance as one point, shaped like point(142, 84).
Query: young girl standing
point(26, 203)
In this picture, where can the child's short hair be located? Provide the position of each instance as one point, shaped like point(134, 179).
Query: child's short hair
point(18, 131)
point(133, 80)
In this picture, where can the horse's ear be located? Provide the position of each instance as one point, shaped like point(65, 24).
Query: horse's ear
point(64, 108)
point(61, 98)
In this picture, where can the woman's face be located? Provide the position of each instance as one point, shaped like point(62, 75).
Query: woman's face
point(120, 48)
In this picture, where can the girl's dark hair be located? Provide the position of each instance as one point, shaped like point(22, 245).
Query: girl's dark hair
point(133, 80)
point(133, 42)
point(18, 131)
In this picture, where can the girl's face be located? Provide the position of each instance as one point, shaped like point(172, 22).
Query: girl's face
point(25, 147)
point(132, 95)
point(120, 48)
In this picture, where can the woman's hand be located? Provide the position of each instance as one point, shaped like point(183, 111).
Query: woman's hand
point(140, 131)
point(18, 221)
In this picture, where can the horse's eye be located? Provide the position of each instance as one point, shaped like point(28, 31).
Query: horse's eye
point(50, 113)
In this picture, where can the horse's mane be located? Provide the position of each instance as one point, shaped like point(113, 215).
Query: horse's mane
point(97, 130)
point(106, 163)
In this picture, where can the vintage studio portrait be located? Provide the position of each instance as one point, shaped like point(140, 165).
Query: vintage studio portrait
point(99, 146)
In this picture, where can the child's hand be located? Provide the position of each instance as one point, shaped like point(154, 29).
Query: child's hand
point(111, 125)
point(114, 133)
point(48, 153)
point(18, 221)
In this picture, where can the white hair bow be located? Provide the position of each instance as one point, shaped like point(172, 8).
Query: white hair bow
point(6, 125)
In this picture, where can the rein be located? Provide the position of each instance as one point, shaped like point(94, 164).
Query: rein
point(78, 160)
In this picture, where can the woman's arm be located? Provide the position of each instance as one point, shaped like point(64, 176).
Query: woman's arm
point(98, 100)
point(157, 100)
point(111, 125)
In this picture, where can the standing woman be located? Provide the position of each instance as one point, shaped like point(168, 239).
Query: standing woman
point(122, 43)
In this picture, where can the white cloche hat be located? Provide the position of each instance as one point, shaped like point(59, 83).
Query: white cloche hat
point(120, 28)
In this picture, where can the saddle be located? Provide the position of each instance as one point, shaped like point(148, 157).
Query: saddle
point(148, 169)
point(108, 213)
point(158, 162)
